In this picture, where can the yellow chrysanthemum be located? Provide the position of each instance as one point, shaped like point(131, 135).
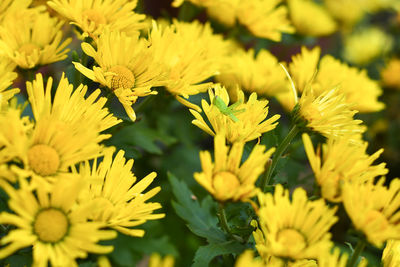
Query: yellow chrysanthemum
point(9, 6)
point(335, 259)
point(58, 139)
point(125, 65)
point(293, 229)
point(391, 254)
point(341, 161)
point(374, 209)
point(7, 76)
point(156, 261)
point(359, 89)
point(112, 185)
point(191, 54)
point(261, 74)
point(30, 37)
point(227, 179)
point(328, 114)
point(93, 16)
point(357, 52)
point(310, 18)
point(251, 116)
point(265, 18)
point(246, 259)
point(53, 224)
point(390, 74)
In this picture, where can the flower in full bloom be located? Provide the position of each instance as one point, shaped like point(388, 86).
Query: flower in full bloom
point(54, 224)
point(93, 16)
point(389, 74)
point(227, 179)
point(251, 118)
point(374, 209)
point(293, 229)
point(125, 66)
point(113, 185)
point(341, 161)
point(310, 18)
point(391, 253)
point(30, 37)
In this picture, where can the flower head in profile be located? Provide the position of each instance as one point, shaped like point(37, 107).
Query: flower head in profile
point(113, 186)
point(374, 209)
point(54, 224)
point(250, 120)
point(58, 140)
point(92, 17)
point(125, 65)
point(339, 160)
point(293, 229)
point(391, 253)
point(310, 18)
point(30, 37)
point(226, 178)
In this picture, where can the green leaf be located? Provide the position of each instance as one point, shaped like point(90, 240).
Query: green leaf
point(199, 218)
point(205, 254)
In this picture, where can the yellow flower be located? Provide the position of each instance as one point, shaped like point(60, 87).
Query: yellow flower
point(333, 73)
point(58, 139)
point(93, 16)
point(329, 115)
point(336, 259)
point(261, 74)
point(296, 229)
point(53, 224)
point(390, 74)
point(373, 209)
point(6, 79)
point(341, 161)
point(265, 18)
point(31, 37)
point(9, 6)
point(348, 13)
point(227, 179)
point(129, 73)
point(191, 54)
point(251, 118)
point(246, 259)
point(357, 52)
point(391, 253)
point(310, 18)
point(156, 261)
point(112, 185)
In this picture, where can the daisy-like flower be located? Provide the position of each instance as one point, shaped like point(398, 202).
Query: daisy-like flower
point(250, 116)
point(53, 224)
point(335, 259)
point(93, 16)
point(293, 229)
point(328, 114)
point(112, 185)
point(389, 74)
point(311, 19)
point(360, 90)
point(391, 253)
point(58, 139)
point(30, 37)
point(341, 161)
point(374, 209)
point(191, 54)
point(125, 65)
point(247, 259)
point(6, 79)
point(227, 179)
point(261, 74)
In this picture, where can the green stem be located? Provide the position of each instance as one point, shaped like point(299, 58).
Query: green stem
point(144, 102)
point(266, 179)
point(222, 218)
point(357, 253)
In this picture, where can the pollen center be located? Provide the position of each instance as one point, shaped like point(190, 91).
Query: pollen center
point(51, 225)
point(43, 159)
point(94, 16)
point(292, 240)
point(28, 49)
point(124, 78)
point(225, 185)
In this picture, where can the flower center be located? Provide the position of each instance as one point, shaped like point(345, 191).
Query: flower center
point(94, 16)
point(225, 185)
point(377, 219)
point(51, 225)
point(43, 159)
point(292, 240)
point(28, 49)
point(124, 78)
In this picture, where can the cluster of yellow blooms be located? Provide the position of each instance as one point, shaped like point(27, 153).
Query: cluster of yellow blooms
point(67, 191)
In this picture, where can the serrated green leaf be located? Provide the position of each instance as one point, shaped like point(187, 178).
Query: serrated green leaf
point(205, 254)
